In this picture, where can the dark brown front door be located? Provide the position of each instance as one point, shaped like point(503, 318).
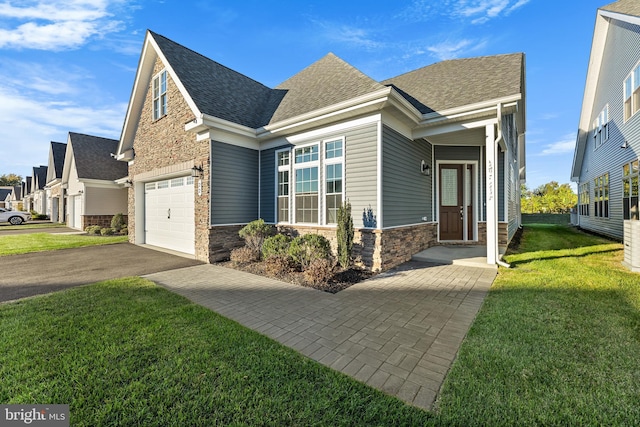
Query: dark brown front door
point(451, 202)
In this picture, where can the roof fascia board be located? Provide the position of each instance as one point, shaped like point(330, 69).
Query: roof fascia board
point(373, 98)
point(620, 16)
point(470, 109)
point(68, 160)
point(452, 127)
point(593, 74)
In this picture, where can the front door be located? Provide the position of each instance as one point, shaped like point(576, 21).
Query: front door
point(451, 202)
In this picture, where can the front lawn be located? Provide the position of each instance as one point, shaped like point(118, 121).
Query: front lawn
point(30, 226)
point(37, 242)
point(126, 352)
point(557, 341)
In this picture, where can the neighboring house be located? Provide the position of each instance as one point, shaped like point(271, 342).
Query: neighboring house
point(15, 198)
point(27, 196)
point(433, 156)
point(39, 196)
point(605, 164)
point(53, 187)
point(88, 179)
point(5, 197)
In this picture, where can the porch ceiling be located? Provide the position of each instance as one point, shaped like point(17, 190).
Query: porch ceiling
point(468, 137)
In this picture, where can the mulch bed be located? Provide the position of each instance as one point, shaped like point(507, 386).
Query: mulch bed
point(341, 280)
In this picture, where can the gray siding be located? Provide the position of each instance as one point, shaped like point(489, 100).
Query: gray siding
point(407, 193)
point(621, 54)
point(512, 193)
point(234, 184)
point(360, 181)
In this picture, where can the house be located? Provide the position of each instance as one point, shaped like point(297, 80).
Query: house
point(433, 156)
point(53, 187)
point(88, 178)
point(26, 194)
point(605, 163)
point(15, 198)
point(38, 194)
point(5, 196)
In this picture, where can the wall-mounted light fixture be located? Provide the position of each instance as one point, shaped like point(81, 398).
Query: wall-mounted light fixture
point(197, 171)
point(624, 144)
point(128, 183)
point(425, 169)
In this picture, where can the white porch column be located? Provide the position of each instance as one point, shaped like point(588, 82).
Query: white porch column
point(492, 195)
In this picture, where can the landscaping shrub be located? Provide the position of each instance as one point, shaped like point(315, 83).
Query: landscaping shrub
point(39, 216)
point(255, 232)
point(93, 229)
point(117, 222)
point(124, 230)
point(319, 271)
point(277, 245)
point(304, 249)
point(277, 265)
point(244, 255)
point(345, 235)
point(107, 231)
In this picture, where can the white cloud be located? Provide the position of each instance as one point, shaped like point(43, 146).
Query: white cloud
point(57, 24)
point(350, 35)
point(455, 49)
point(479, 11)
point(565, 145)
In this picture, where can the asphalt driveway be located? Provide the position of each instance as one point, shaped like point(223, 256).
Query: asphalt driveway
point(43, 272)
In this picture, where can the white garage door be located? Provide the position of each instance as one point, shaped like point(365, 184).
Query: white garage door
point(77, 212)
point(169, 214)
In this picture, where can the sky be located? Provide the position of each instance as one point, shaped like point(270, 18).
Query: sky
point(69, 65)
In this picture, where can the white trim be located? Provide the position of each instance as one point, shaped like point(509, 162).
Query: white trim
point(479, 107)
point(403, 226)
point(285, 168)
point(337, 128)
point(475, 199)
point(620, 16)
point(379, 177)
point(492, 195)
point(451, 127)
point(293, 182)
point(333, 161)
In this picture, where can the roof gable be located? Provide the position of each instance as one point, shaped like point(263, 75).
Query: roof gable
point(39, 177)
point(458, 82)
point(56, 160)
point(626, 7)
point(93, 157)
point(326, 82)
point(5, 192)
point(215, 89)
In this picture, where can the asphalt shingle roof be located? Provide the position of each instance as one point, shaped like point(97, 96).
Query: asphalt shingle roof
point(40, 175)
point(4, 192)
point(626, 7)
point(325, 82)
point(459, 82)
point(58, 149)
point(93, 157)
point(217, 90)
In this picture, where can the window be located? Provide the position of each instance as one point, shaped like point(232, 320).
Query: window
point(632, 93)
point(310, 183)
point(601, 127)
point(160, 95)
point(601, 196)
point(583, 203)
point(283, 185)
point(630, 190)
point(333, 180)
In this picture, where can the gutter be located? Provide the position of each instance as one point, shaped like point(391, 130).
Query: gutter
point(496, 142)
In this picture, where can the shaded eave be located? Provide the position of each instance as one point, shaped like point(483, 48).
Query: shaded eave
point(150, 52)
point(600, 32)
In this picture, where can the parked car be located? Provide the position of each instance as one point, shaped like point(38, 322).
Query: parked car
point(14, 217)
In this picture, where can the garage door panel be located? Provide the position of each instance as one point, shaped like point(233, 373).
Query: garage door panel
point(169, 214)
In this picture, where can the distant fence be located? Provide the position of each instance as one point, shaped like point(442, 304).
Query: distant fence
point(561, 219)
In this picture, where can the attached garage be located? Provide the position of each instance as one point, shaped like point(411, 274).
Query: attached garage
point(169, 214)
point(77, 212)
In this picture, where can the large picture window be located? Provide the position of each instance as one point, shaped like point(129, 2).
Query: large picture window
point(311, 179)
point(160, 95)
point(583, 199)
point(631, 89)
point(601, 196)
point(630, 190)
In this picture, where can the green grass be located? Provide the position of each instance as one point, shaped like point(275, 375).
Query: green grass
point(30, 226)
point(557, 341)
point(126, 352)
point(37, 242)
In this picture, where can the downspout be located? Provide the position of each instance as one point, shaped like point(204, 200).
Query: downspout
point(496, 142)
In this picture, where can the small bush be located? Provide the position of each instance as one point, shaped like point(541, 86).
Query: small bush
point(255, 232)
point(277, 245)
point(39, 216)
point(319, 271)
point(124, 230)
point(277, 265)
point(117, 222)
point(304, 249)
point(244, 255)
point(107, 231)
point(344, 235)
point(93, 229)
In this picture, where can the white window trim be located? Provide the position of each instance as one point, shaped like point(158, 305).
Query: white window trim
point(292, 182)
point(634, 86)
point(601, 128)
point(284, 168)
point(157, 78)
point(327, 162)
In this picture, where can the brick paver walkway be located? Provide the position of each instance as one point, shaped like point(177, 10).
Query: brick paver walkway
point(398, 332)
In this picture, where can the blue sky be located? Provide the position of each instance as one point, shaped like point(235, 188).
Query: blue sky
point(69, 65)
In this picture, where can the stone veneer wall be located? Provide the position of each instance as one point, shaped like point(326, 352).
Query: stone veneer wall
point(503, 234)
point(161, 143)
point(103, 221)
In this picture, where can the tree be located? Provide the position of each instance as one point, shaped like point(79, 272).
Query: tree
point(548, 198)
point(10, 180)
